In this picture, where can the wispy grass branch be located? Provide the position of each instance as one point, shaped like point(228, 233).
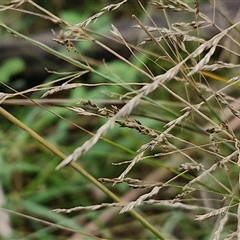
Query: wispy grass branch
point(78, 168)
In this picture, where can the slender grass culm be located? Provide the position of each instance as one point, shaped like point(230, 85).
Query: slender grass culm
point(119, 120)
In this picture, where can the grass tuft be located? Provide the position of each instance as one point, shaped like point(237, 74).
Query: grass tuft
point(147, 116)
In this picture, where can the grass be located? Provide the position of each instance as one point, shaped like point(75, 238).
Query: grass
point(152, 138)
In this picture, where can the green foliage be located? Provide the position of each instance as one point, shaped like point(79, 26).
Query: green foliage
point(11, 67)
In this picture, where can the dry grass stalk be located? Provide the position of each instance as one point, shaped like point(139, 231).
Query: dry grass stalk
point(217, 234)
point(15, 4)
point(144, 91)
point(177, 6)
point(221, 211)
point(168, 203)
point(211, 169)
point(232, 236)
point(95, 17)
point(218, 65)
point(93, 207)
point(4, 96)
point(181, 72)
point(143, 197)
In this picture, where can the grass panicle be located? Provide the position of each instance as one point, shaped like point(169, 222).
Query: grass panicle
point(152, 131)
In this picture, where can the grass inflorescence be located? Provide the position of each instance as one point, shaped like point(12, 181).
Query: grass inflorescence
point(145, 110)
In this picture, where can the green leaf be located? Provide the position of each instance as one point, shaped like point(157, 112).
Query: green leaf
point(11, 67)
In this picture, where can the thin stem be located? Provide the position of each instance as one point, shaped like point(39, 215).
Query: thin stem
point(78, 168)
